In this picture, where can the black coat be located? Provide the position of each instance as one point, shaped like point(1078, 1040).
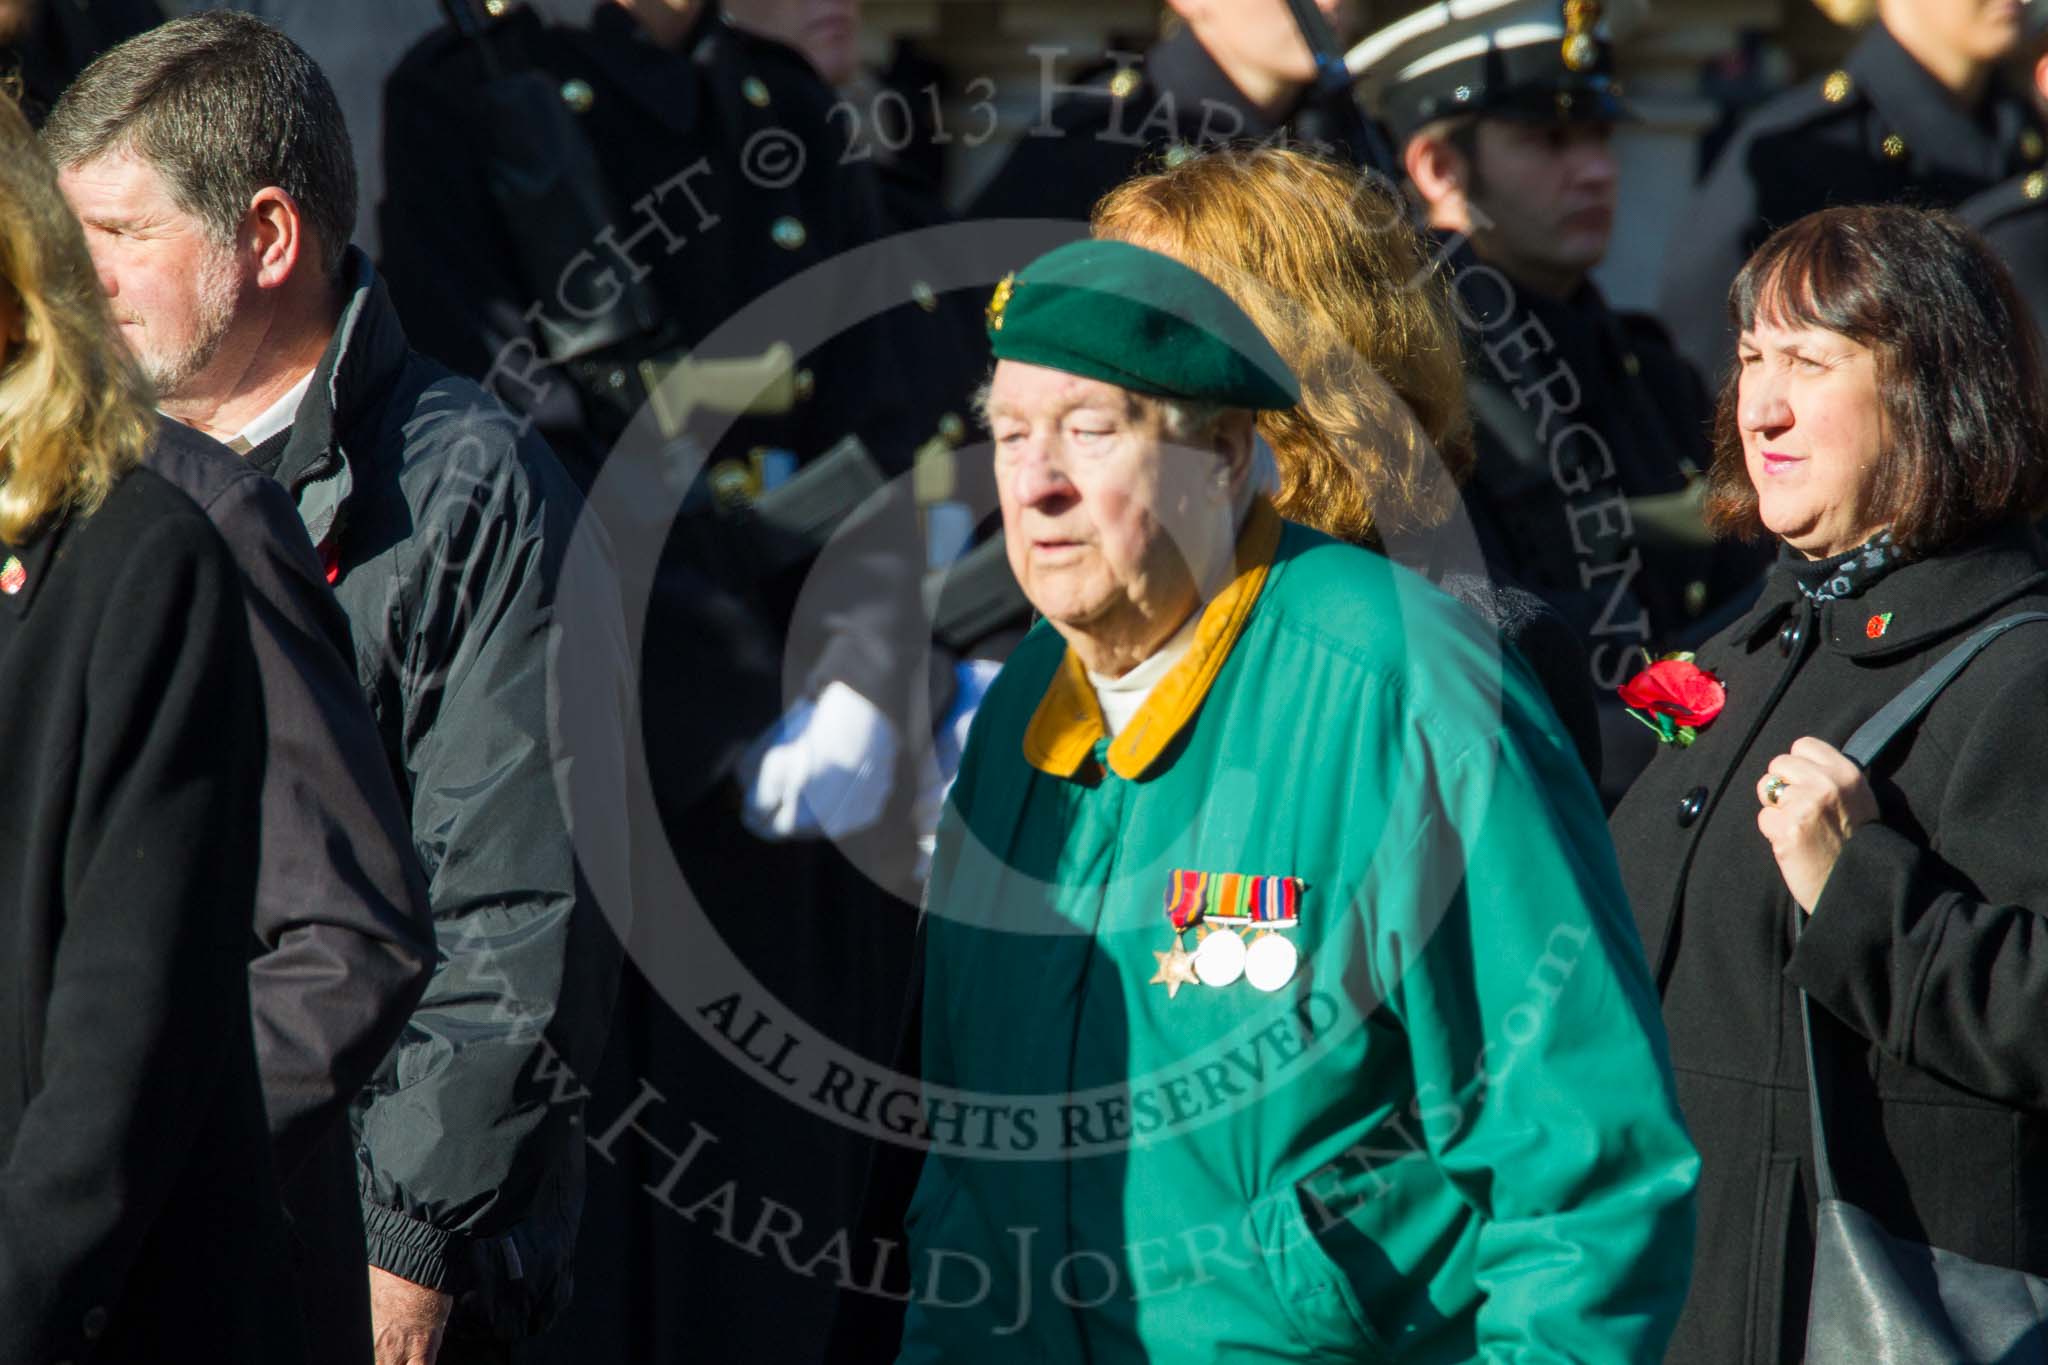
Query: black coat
point(1926, 954)
point(341, 903)
point(721, 660)
point(1880, 130)
point(138, 1203)
point(671, 134)
point(2014, 219)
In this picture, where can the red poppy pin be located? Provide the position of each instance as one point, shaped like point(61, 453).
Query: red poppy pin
point(1878, 625)
point(1675, 697)
point(13, 578)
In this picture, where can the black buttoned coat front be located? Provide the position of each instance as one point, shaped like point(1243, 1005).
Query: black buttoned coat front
point(1927, 953)
point(139, 1212)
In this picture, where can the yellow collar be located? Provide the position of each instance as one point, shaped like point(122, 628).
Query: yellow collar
point(1068, 723)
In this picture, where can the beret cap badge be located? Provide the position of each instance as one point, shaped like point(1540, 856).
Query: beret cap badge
point(1000, 300)
point(1144, 322)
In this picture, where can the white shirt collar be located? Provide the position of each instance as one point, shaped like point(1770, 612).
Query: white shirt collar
point(275, 418)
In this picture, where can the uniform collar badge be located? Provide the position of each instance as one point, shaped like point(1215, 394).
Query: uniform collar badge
point(1237, 922)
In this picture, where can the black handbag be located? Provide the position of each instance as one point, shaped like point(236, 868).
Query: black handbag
point(1884, 1300)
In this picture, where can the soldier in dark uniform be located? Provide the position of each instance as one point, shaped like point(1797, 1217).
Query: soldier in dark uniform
point(1228, 72)
point(1591, 431)
point(1917, 113)
point(2014, 216)
point(2014, 219)
point(676, 109)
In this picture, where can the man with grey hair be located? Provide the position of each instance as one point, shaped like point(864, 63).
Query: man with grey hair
point(211, 168)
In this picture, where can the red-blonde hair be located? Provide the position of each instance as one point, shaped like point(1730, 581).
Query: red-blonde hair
point(1341, 283)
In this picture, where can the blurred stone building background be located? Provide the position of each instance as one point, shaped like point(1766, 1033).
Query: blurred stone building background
point(1685, 68)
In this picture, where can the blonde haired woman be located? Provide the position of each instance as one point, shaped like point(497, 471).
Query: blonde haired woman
point(137, 1204)
point(1333, 273)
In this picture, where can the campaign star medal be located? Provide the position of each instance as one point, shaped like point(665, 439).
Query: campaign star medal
point(13, 578)
point(1176, 969)
point(1222, 908)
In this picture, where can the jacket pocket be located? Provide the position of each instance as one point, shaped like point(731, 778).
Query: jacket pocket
point(1780, 1253)
point(1316, 1298)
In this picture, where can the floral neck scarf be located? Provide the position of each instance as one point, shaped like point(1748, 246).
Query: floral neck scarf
point(1847, 575)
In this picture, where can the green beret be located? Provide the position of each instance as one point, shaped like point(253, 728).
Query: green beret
point(1142, 321)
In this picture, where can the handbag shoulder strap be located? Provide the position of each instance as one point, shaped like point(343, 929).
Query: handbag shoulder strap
point(1863, 747)
point(1895, 715)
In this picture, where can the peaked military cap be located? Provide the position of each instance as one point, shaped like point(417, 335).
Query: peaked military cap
point(1548, 60)
point(1142, 321)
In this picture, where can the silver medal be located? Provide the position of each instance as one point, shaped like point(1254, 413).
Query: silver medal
point(1220, 958)
point(1270, 962)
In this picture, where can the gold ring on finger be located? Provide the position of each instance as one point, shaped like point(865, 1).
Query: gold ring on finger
point(1772, 786)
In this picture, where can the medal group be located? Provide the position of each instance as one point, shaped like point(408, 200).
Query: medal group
point(1237, 922)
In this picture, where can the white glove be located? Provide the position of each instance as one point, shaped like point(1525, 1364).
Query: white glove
point(822, 770)
point(970, 684)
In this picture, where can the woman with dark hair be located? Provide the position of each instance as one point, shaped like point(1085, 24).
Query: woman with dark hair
point(1885, 423)
point(139, 1213)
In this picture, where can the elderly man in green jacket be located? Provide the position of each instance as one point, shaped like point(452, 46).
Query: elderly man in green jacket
point(1281, 998)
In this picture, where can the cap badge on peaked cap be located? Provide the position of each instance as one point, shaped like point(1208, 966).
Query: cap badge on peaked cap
point(1581, 17)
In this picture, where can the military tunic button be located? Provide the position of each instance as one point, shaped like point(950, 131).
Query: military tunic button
point(2031, 145)
point(922, 295)
point(1836, 87)
point(789, 234)
point(578, 96)
point(1894, 147)
point(1125, 83)
point(1564, 102)
point(1690, 805)
point(1631, 364)
point(1463, 94)
point(1789, 636)
point(756, 91)
point(806, 385)
point(2035, 185)
point(95, 1325)
point(953, 429)
point(1695, 597)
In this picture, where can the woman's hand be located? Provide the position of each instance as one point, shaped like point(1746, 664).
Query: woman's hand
point(1812, 799)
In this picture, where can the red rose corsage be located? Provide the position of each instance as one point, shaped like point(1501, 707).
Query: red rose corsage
point(1675, 697)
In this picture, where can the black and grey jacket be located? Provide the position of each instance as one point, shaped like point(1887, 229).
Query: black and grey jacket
point(444, 532)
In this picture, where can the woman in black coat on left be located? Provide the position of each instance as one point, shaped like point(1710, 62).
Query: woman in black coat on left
point(139, 1214)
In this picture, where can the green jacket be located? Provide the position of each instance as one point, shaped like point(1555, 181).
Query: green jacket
point(1450, 1135)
